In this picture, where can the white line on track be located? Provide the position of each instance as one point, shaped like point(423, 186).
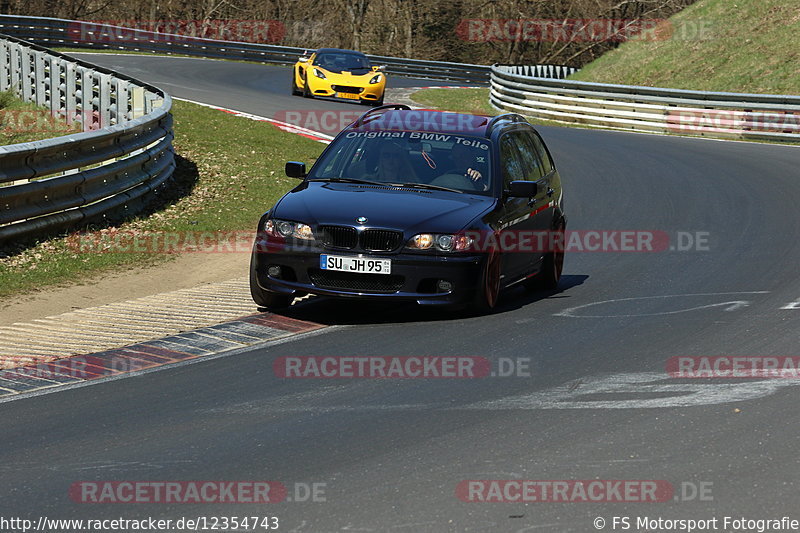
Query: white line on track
point(729, 306)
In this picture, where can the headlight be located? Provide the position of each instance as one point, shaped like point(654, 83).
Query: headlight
point(441, 242)
point(444, 242)
point(285, 229)
point(375, 79)
point(318, 73)
point(421, 242)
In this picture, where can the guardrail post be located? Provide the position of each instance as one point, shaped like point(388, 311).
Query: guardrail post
point(39, 79)
point(55, 87)
point(70, 100)
point(26, 74)
point(87, 90)
point(104, 88)
point(137, 102)
point(5, 63)
point(16, 68)
point(123, 101)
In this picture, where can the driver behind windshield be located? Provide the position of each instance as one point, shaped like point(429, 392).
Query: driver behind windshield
point(469, 162)
point(342, 62)
point(393, 165)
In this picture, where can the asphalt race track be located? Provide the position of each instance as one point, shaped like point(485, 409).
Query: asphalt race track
point(597, 404)
point(258, 89)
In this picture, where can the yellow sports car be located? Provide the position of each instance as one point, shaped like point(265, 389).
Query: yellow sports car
point(336, 73)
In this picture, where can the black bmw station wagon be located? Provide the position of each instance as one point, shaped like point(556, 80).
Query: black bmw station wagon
point(415, 205)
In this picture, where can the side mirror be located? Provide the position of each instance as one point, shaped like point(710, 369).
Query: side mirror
point(303, 59)
point(522, 189)
point(379, 68)
point(295, 169)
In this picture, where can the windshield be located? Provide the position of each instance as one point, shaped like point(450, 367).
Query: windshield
point(342, 61)
point(444, 160)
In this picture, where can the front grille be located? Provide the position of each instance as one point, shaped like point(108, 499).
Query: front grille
point(378, 240)
point(346, 89)
point(339, 237)
point(349, 281)
point(373, 240)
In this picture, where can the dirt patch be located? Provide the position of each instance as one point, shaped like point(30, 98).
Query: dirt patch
point(188, 270)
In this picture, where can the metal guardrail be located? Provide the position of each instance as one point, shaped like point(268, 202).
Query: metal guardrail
point(124, 152)
point(647, 109)
point(555, 72)
point(52, 32)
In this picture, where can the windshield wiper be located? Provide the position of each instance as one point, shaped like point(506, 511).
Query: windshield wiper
point(425, 186)
point(384, 184)
point(348, 180)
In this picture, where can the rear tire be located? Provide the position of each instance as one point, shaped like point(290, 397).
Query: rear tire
point(264, 298)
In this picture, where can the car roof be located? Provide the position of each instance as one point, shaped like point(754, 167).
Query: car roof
point(339, 50)
point(426, 120)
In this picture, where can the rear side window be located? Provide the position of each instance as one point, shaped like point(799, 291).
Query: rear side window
point(528, 165)
point(509, 160)
point(531, 161)
point(547, 164)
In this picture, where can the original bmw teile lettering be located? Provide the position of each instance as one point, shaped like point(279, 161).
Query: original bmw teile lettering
point(392, 208)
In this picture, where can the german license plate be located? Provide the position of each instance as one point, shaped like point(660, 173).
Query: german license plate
point(361, 265)
point(349, 96)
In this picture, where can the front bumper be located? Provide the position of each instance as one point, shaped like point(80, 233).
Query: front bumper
point(414, 276)
point(335, 88)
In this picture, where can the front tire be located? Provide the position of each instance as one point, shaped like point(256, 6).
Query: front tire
point(489, 289)
point(306, 91)
point(295, 90)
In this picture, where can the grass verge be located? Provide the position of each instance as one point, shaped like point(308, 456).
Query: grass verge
point(230, 171)
point(744, 46)
point(22, 121)
point(475, 101)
